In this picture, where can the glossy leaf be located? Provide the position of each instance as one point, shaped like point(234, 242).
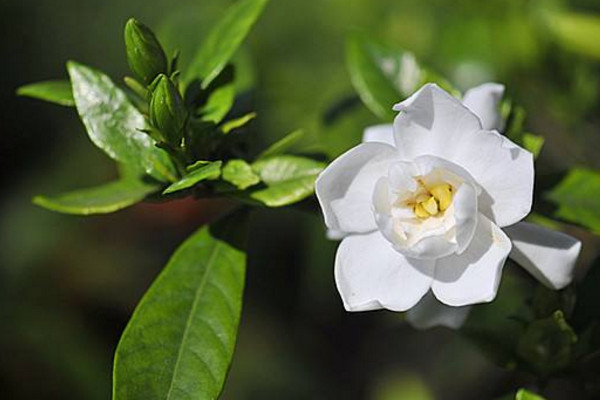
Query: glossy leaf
point(289, 179)
point(57, 92)
point(577, 198)
point(376, 91)
point(223, 41)
point(199, 173)
point(240, 174)
point(383, 76)
point(102, 199)
point(180, 340)
point(282, 145)
point(113, 123)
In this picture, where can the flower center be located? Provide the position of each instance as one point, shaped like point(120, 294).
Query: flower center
point(432, 200)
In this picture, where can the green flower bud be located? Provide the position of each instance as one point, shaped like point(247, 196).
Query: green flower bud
point(167, 112)
point(145, 55)
point(547, 343)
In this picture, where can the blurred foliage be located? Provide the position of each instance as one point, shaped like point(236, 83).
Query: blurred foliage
point(68, 285)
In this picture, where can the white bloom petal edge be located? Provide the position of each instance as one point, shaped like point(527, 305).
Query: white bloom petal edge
point(547, 255)
point(432, 122)
point(345, 188)
point(484, 100)
point(370, 275)
point(379, 133)
point(473, 277)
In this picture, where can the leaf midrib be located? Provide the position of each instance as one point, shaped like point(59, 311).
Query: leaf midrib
point(210, 263)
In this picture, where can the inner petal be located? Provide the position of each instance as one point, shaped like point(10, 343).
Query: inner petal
point(416, 207)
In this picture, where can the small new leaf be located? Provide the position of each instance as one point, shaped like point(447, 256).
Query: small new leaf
point(237, 123)
point(199, 173)
point(57, 92)
point(240, 174)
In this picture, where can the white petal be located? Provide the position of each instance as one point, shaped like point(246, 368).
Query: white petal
point(450, 232)
point(379, 133)
point(504, 171)
point(335, 235)
point(473, 277)
point(345, 187)
point(429, 313)
point(371, 275)
point(432, 122)
point(548, 255)
point(484, 101)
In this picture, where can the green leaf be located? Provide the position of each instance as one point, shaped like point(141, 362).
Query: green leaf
point(57, 92)
point(180, 340)
point(102, 199)
point(577, 32)
point(223, 41)
point(282, 145)
point(200, 172)
point(383, 76)
point(113, 123)
point(289, 179)
point(219, 103)
point(524, 394)
point(577, 198)
point(365, 66)
point(237, 123)
point(240, 174)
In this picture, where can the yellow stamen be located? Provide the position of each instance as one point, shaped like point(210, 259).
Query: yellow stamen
point(431, 206)
point(420, 211)
point(443, 195)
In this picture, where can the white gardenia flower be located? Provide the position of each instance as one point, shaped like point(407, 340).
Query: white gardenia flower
point(421, 206)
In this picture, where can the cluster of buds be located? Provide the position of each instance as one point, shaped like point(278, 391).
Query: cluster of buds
point(148, 61)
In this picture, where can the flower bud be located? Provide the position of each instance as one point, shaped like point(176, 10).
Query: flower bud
point(546, 344)
point(167, 112)
point(145, 55)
